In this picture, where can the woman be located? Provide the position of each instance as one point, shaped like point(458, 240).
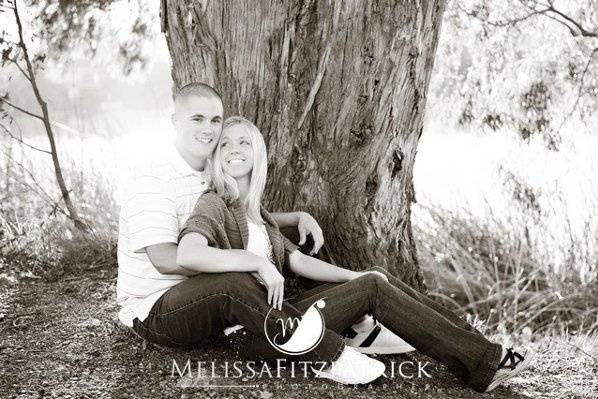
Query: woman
point(232, 219)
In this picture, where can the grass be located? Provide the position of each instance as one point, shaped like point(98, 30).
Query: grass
point(490, 270)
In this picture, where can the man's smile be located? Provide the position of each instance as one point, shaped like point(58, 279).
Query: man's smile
point(204, 139)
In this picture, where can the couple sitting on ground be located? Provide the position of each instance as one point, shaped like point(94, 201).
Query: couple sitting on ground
point(199, 255)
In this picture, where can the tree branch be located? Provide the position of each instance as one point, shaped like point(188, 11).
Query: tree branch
point(7, 131)
point(5, 101)
point(550, 8)
point(72, 211)
point(579, 90)
point(14, 61)
point(574, 27)
point(582, 30)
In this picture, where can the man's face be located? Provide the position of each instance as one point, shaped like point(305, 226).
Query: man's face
point(198, 123)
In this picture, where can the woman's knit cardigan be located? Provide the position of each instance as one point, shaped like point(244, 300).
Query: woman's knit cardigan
point(225, 227)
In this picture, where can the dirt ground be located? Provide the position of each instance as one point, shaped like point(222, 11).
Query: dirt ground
point(62, 339)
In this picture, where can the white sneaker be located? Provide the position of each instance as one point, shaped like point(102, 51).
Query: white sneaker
point(512, 364)
point(353, 367)
point(379, 340)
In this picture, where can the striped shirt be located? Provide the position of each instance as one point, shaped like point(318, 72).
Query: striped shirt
point(156, 205)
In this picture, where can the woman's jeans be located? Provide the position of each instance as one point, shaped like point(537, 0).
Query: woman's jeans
point(206, 304)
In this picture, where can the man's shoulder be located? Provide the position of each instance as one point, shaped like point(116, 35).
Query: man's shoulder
point(159, 166)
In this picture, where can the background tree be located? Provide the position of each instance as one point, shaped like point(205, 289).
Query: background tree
point(17, 53)
point(524, 65)
point(339, 90)
point(60, 28)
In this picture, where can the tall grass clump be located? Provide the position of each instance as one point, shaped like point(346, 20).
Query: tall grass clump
point(36, 238)
point(510, 272)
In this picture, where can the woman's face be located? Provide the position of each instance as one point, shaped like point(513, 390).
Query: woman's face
point(236, 151)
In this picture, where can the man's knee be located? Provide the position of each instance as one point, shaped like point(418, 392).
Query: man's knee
point(240, 281)
point(230, 282)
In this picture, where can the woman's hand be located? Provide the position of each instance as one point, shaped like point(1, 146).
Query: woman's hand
point(274, 282)
point(308, 225)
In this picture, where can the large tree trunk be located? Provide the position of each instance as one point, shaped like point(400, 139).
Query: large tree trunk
point(338, 88)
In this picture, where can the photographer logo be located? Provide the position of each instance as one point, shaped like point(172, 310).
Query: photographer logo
point(294, 335)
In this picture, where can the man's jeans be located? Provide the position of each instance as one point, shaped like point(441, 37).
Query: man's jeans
point(204, 305)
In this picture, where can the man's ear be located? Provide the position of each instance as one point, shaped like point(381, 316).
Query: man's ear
point(173, 119)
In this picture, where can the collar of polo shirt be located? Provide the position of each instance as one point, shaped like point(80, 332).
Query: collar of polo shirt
point(182, 166)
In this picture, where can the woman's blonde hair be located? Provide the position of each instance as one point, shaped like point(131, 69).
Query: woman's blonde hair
point(226, 186)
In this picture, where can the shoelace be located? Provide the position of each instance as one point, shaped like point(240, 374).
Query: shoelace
point(511, 358)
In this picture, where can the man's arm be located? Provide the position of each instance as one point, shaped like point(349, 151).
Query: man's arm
point(286, 219)
point(163, 257)
point(305, 223)
point(151, 216)
point(195, 254)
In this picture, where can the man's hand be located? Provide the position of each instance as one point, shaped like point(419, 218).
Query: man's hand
point(308, 225)
point(274, 282)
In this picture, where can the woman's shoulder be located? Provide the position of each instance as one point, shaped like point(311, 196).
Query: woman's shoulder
point(210, 203)
point(212, 197)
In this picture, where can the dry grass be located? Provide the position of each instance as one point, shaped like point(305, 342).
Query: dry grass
point(490, 270)
point(37, 239)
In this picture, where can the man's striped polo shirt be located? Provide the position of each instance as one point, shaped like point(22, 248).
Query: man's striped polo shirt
point(155, 206)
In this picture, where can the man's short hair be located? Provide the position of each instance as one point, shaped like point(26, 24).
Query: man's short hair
point(196, 89)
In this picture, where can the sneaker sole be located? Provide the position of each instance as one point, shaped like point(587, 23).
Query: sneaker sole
point(383, 350)
point(508, 375)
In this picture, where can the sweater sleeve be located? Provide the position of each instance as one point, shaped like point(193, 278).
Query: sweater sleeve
point(206, 218)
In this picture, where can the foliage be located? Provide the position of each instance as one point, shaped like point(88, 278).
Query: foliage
point(92, 28)
point(517, 64)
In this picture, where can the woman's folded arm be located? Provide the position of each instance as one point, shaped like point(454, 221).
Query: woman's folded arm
point(193, 253)
point(318, 270)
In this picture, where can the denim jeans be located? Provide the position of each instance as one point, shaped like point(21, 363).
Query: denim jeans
point(204, 305)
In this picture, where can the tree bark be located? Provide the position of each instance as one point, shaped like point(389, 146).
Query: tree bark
point(338, 88)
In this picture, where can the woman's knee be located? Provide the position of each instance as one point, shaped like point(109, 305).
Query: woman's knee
point(370, 281)
point(378, 269)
